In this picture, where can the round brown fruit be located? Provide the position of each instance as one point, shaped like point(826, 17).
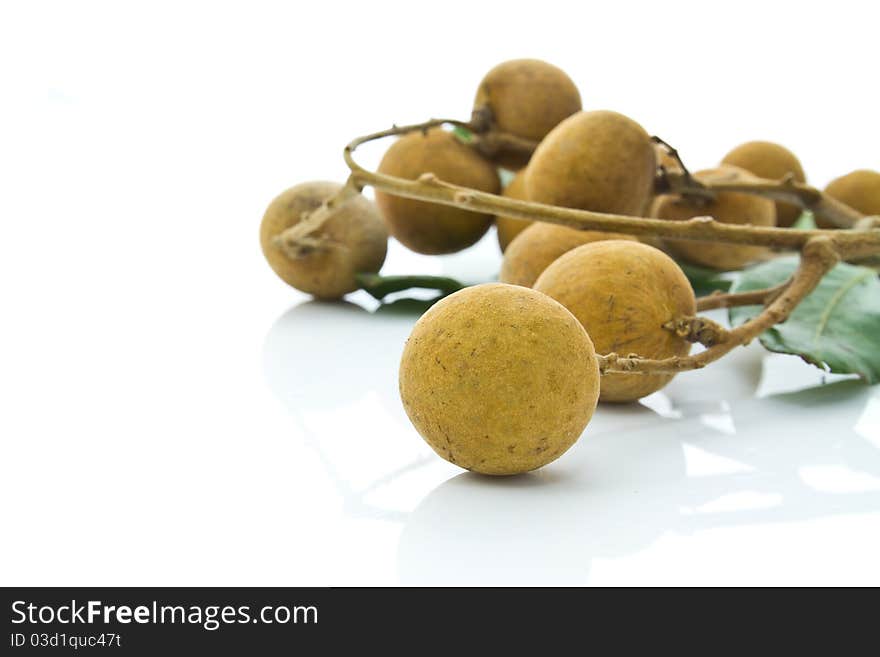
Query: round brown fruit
point(499, 379)
point(773, 162)
point(859, 189)
point(352, 240)
point(428, 227)
point(623, 293)
point(532, 251)
point(600, 161)
point(727, 207)
point(526, 98)
point(510, 227)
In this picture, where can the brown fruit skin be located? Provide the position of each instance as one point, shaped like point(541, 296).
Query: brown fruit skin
point(499, 379)
point(537, 247)
point(729, 208)
point(355, 233)
point(859, 189)
point(510, 227)
point(527, 97)
point(773, 162)
point(430, 228)
point(600, 161)
point(623, 293)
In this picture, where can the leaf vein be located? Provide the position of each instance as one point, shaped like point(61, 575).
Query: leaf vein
point(835, 301)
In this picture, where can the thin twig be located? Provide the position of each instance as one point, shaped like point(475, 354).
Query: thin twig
point(700, 330)
point(731, 300)
point(397, 130)
point(820, 249)
point(301, 239)
point(849, 244)
point(786, 189)
point(493, 142)
point(817, 259)
point(490, 142)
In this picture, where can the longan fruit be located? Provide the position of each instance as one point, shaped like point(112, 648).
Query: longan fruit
point(527, 98)
point(623, 293)
point(859, 189)
point(533, 250)
point(727, 207)
point(499, 379)
point(510, 227)
point(352, 240)
point(430, 228)
point(773, 162)
point(600, 161)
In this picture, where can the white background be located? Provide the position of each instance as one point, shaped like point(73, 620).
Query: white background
point(174, 414)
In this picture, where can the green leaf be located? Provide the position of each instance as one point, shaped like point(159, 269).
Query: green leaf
point(381, 286)
point(407, 306)
point(837, 327)
point(463, 134)
point(704, 280)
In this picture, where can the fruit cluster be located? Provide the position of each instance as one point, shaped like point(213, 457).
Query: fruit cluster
point(502, 378)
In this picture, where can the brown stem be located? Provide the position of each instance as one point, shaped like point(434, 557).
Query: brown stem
point(494, 142)
point(301, 239)
point(820, 249)
point(730, 300)
point(818, 257)
point(490, 142)
point(848, 243)
point(397, 130)
point(698, 329)
point(787, 190)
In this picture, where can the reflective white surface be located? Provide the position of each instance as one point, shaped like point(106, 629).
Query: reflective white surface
point(748, 471)
point(249, 444)
point(173, 414)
